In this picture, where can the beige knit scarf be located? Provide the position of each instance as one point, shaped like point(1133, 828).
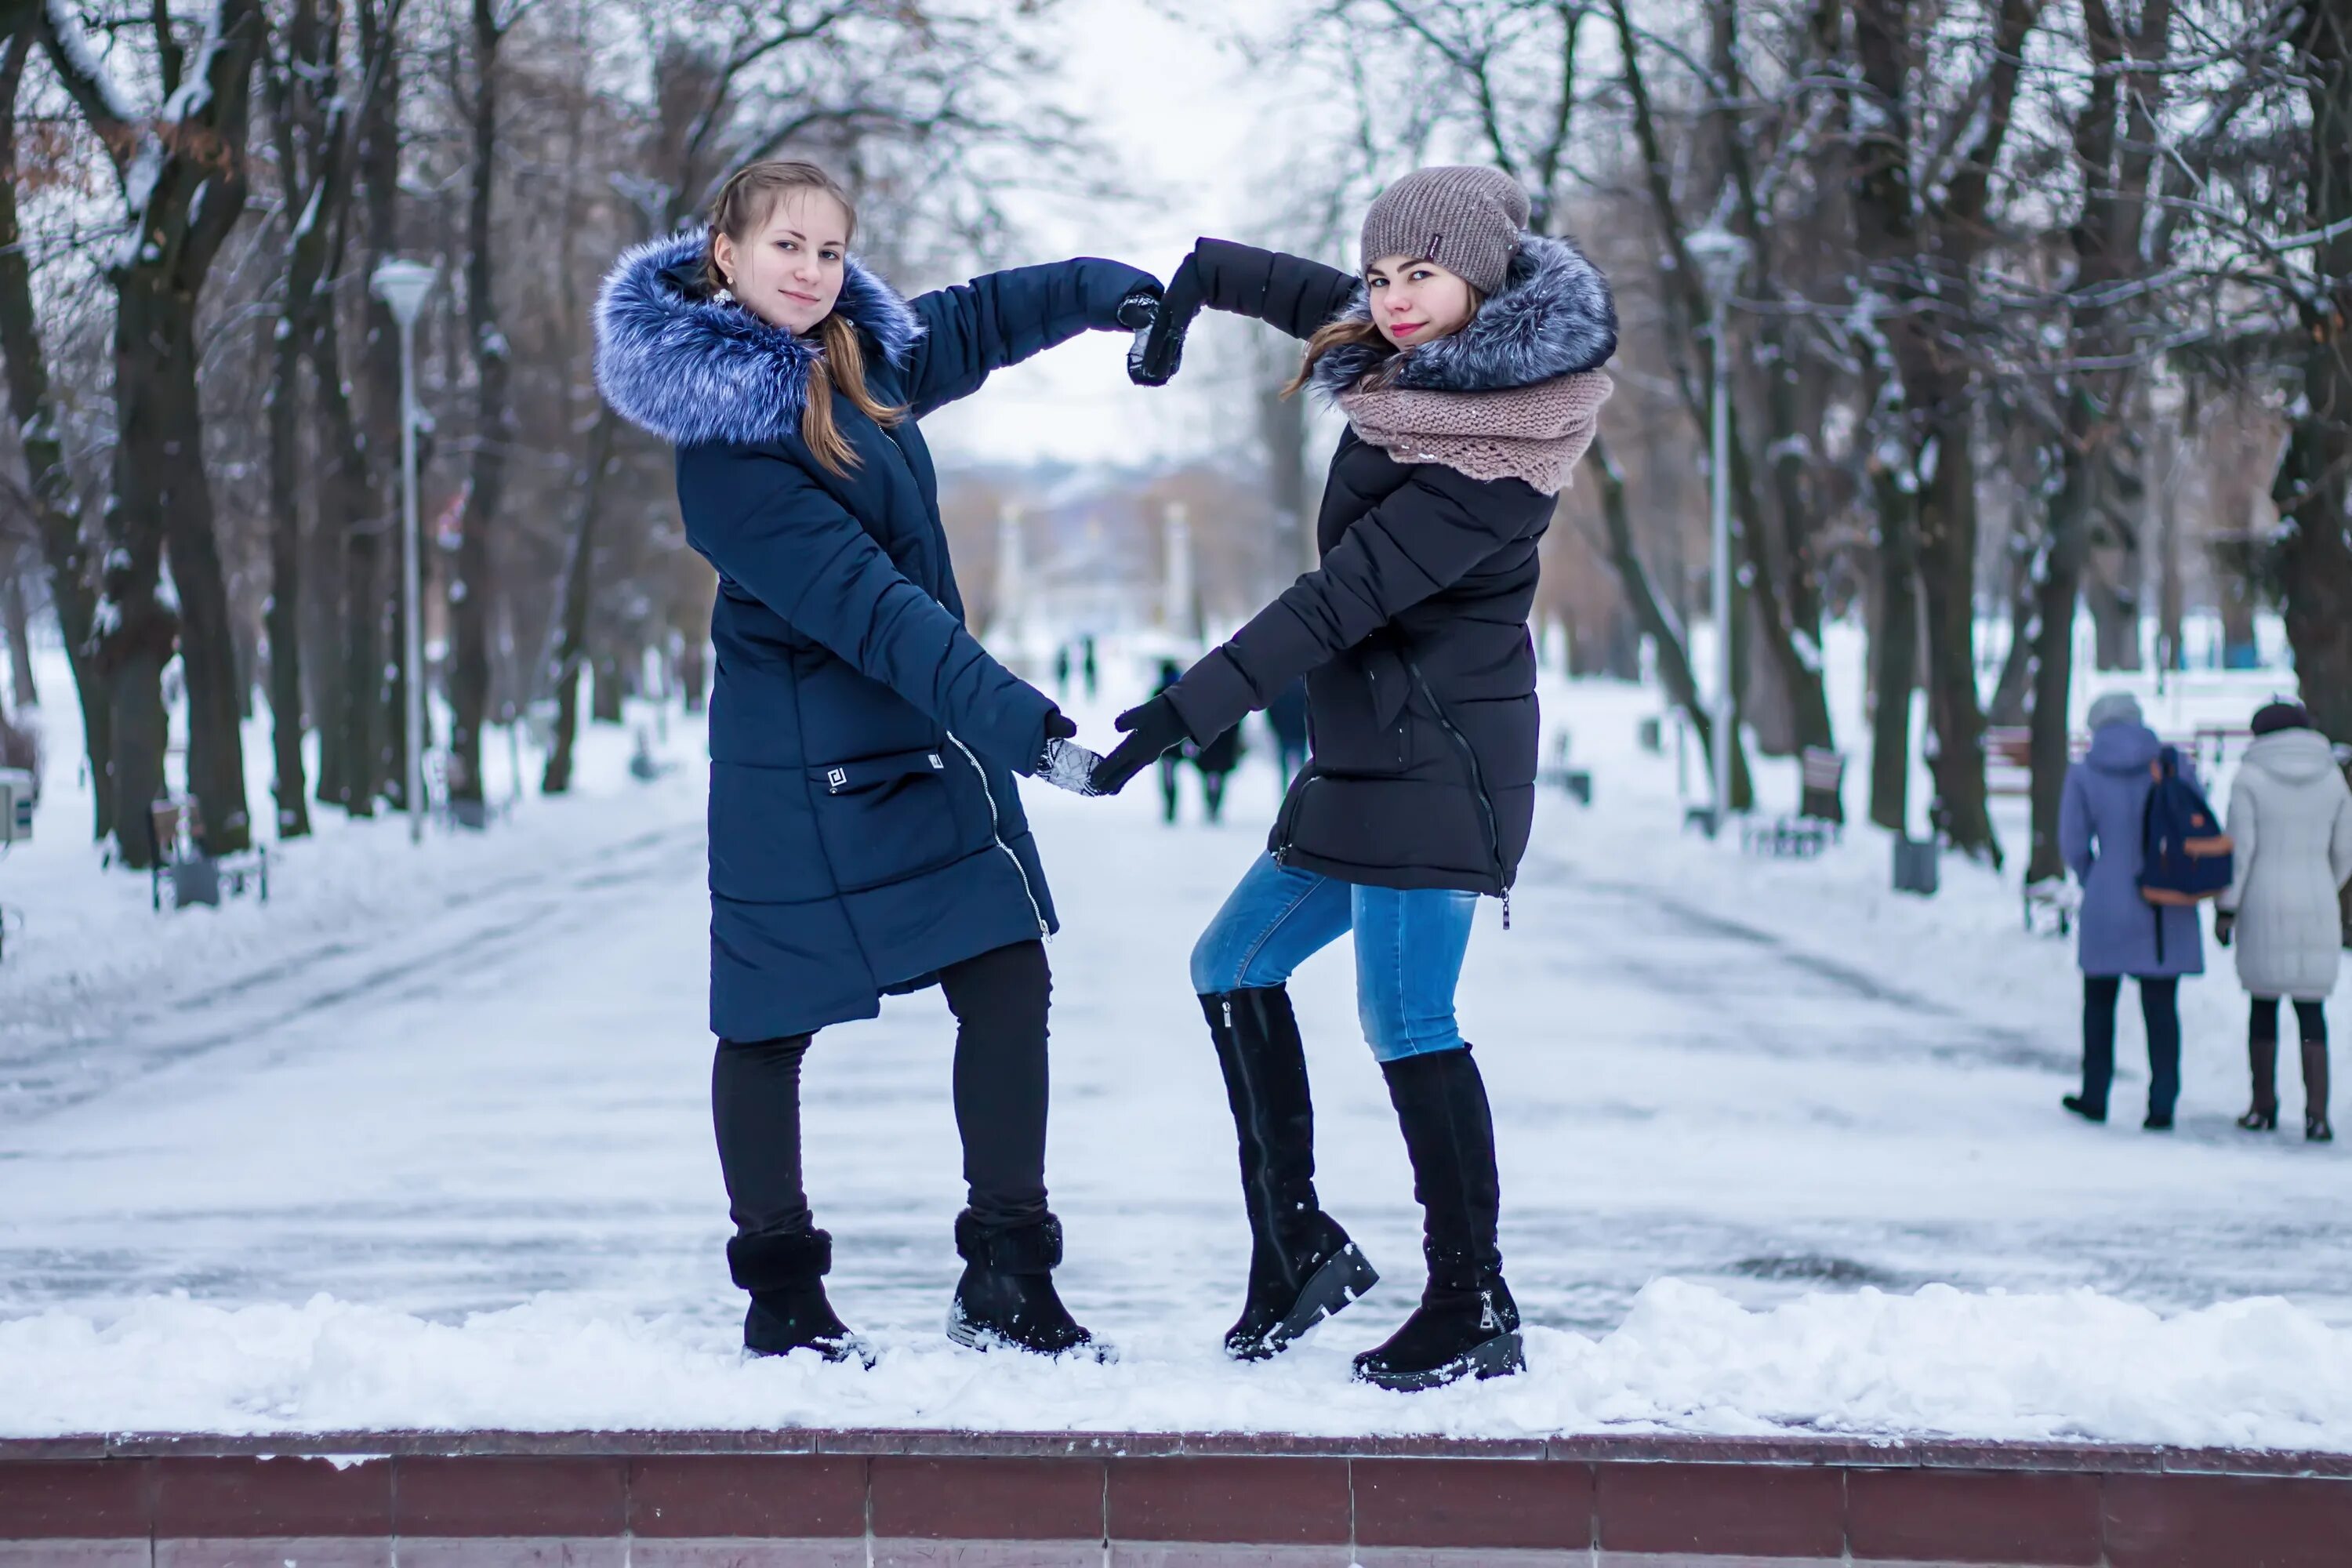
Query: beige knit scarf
point(1532, 433)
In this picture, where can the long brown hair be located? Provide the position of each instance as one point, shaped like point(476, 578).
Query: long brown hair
point(1353, 331)
point(745, 202)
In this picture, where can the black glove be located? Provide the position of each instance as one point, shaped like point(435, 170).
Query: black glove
point(2225, 922)
point(1060, 726)
point(1151, 730)
point(1157, 352)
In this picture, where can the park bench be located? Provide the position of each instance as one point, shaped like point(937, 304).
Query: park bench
point(180, 863)
point(1820, 819)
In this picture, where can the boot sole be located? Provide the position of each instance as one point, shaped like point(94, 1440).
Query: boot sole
point(984, 1340)
point(853, 1349)
point(1345, 1277)
point(1502, 1356)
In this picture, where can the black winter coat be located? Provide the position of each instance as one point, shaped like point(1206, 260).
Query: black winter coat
point(864, 829)
point(1412, 633)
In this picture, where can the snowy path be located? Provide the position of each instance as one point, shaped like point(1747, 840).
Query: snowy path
point(509, 1097)
point(497, 1096)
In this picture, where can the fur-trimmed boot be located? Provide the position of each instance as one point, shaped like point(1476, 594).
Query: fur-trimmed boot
point(1466, 1325)
point(785, 1275)
point(1006, 1300)
point(1303, 1268)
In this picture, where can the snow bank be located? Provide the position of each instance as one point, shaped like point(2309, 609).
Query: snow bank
point(2079, 1365)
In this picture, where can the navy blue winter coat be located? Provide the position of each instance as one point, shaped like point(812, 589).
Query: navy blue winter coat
point(864, 829)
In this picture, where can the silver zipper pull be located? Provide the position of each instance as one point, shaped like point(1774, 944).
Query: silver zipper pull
point(1506, 909)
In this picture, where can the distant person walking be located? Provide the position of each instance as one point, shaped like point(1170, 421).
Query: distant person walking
point(2291, 822)
point(1286, 716)
point(1171, 762)
point(1217, 759)
point(2122, 934)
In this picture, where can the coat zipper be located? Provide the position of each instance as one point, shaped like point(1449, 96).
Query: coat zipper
point(1288, 819)
point(1477, 782)
point(996, 832)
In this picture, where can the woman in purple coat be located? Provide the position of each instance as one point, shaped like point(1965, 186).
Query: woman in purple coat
point(2099, 825)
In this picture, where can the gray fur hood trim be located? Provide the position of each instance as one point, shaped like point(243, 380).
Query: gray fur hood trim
point(1553, 317)
point(697, 371)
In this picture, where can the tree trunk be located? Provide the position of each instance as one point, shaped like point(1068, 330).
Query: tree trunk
point(1947, 568)
point(1894, 656)
point(470, 593)
point(49, 484)
point(384, 765)
point(579, 593)
point(606, 687)
point(285, 613)
point(2054, 667)
point(23, 691)
point(1673, 653)
point(2171, 593)
point(2012, 689)
point(2314, 487)
point(161, 500)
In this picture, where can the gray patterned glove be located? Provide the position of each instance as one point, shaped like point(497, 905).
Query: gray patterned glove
point(1070, 766)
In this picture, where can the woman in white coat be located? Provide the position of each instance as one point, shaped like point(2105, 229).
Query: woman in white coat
point(2291, 822)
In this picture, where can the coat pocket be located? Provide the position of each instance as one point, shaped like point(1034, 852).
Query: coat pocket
point(891, 818)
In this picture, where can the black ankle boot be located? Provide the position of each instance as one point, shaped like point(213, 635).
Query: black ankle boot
point(1466, 1325)
point(1006, 1300)
point(785, 1275)
point(1303, 1268)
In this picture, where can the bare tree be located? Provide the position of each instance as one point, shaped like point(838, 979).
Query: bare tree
point(180, 164)
point(50, 491)
point(2313, 490)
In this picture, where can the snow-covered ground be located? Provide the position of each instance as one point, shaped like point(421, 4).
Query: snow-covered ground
point(425, 1142)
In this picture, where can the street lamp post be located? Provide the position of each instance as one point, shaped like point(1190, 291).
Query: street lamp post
point(402, 286)
point(1720, 255)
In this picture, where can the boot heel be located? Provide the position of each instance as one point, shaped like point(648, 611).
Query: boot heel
point(1503, 1356)
point(2259, 1120)
point(1349, 1275)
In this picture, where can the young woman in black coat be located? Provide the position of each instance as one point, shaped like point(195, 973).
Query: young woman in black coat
point(866, 835)
point(1465, 358)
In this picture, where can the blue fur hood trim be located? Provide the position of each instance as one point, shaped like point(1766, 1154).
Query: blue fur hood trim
point(1552, 317)
point(697, 371)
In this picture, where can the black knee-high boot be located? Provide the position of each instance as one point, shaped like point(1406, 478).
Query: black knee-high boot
point(1303, 1268)
point(1466, 1325)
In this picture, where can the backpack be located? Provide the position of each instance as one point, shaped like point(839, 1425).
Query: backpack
point(2185, 857)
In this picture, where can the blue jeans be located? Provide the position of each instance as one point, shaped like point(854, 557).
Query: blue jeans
point(1409, 948)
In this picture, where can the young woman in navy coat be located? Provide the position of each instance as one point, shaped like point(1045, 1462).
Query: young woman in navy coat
point(866, 835)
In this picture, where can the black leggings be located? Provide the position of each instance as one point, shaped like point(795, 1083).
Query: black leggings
point(2263, 1023)
point(2159, 1008)
point(999, 1001)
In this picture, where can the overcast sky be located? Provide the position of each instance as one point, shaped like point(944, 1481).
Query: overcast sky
point(1196, 131)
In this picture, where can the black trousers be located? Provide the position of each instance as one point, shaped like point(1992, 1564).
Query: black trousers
point(2262, 1022)
point(2159, 1008)
point(999, 1001)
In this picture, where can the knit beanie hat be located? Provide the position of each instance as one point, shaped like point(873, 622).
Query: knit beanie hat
point(1466, 219)
point(2276, 716)
point(2114, 708)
